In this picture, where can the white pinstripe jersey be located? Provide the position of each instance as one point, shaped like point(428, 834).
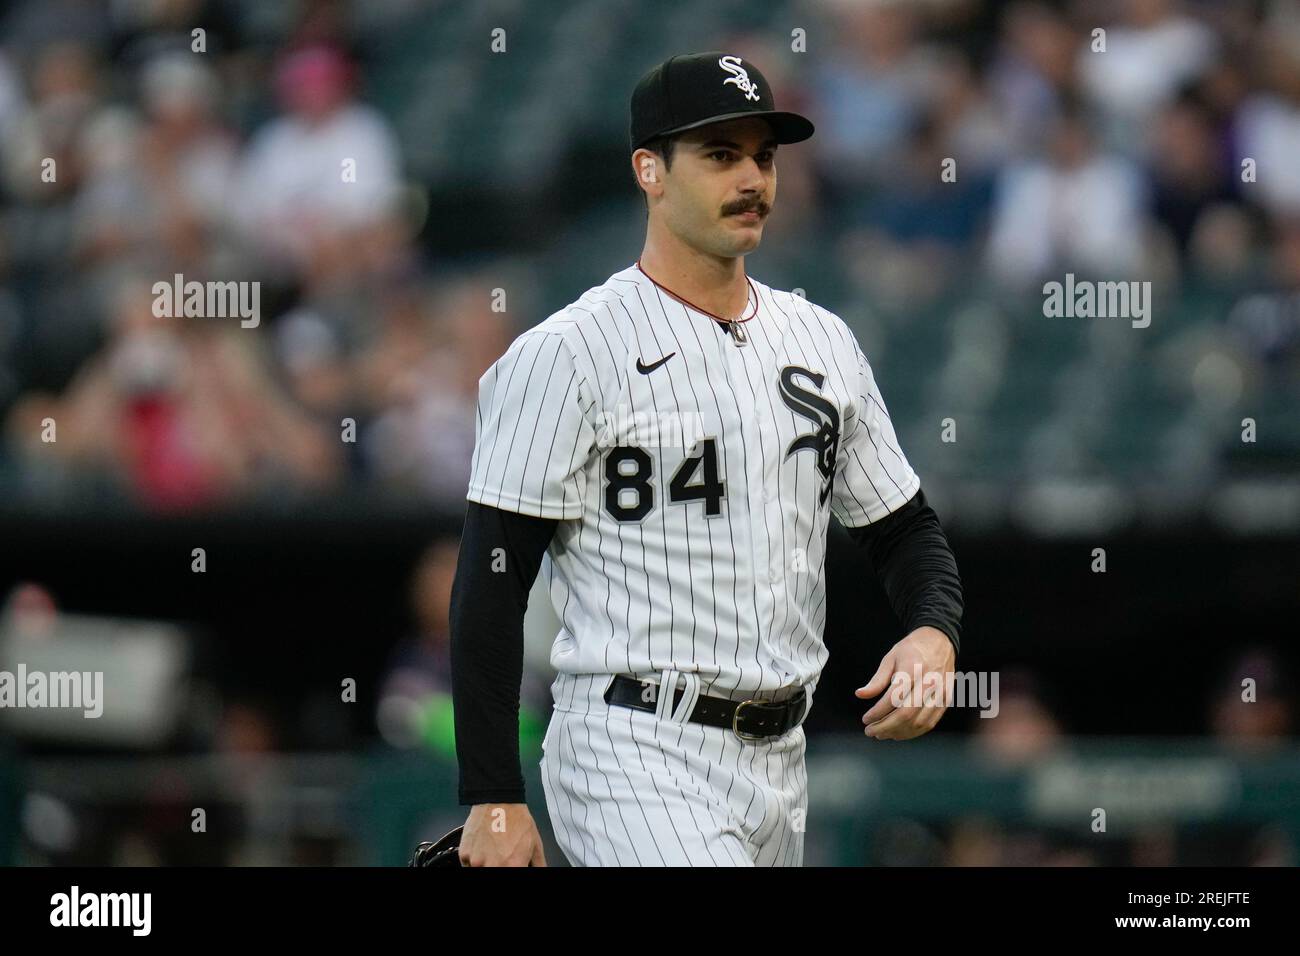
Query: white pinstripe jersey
point(694, 498)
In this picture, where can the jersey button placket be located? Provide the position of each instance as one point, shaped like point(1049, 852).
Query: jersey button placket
point(734, 362)
point(763, 438)
point(772, 503)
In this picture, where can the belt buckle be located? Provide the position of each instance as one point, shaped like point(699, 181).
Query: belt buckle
point(735, 719)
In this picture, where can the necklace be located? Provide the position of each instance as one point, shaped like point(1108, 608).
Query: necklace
point(732, 325)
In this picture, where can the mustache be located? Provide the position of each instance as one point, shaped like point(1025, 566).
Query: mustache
point(753, 205)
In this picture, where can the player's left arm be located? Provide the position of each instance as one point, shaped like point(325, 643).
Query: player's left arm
point(910, 554)
point(878, 498)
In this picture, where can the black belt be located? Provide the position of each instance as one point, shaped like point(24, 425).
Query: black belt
point(750, 719)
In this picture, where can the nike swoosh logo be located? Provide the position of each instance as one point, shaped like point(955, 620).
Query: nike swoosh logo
point(647, 369)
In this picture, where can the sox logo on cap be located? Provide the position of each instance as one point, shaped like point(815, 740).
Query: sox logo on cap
point(739, 76)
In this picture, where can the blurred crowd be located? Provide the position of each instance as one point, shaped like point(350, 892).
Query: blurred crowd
point(118, 173)
point(1127, 138)
point(1162, 147)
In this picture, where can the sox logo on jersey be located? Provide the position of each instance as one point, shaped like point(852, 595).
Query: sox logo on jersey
point(694, 562)
point(824, 442)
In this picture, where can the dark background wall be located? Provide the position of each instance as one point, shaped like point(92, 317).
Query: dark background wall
point(292, 604)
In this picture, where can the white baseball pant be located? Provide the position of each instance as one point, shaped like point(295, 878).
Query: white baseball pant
point(626, 787)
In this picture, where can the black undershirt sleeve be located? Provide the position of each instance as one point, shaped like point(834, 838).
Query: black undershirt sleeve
point(488, 600)
point(910, 554)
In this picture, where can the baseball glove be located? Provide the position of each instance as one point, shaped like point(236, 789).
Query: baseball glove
point(446, 852)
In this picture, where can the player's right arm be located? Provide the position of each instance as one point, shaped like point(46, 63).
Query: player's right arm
point(500, 553)
point(531, 447)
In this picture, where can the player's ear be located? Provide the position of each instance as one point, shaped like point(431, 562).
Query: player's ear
point(645, 166)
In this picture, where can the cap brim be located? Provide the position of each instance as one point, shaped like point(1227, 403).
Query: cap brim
point(788, 127)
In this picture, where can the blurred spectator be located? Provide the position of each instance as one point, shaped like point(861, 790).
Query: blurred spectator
point(1076, 209)
point(1272, 846)
point(317, 179)
point(922, 223)
point(1252, 711)
point(1187, 169)
point(182, 411)
point(1031, 71)
point(1148, 58)
point(1266, 321)
point(1268, 130)
point(63, 92)
point(13, 106)
point(1221, 248)
point(869, 88)
point(969, 123)
point(157, 185)
point(420, 665)
point(423, 372)
point(1024, 730)
point(415, 705)
point(1154, 845)
point(245, 729)
point(29, 611)
point(975, 841)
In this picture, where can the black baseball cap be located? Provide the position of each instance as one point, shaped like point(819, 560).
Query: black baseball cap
point(696, 89)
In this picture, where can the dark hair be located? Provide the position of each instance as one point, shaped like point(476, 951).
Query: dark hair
point(663, 146)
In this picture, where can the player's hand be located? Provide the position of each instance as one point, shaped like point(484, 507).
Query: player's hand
point(501, 834)
point(926, 655)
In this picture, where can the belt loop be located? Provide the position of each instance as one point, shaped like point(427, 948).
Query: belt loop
point(689, 696)
point(667, 687)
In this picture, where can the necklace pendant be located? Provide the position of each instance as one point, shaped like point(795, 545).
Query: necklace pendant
point(737, 333)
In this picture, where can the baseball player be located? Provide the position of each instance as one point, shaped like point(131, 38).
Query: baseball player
point(667, 452)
